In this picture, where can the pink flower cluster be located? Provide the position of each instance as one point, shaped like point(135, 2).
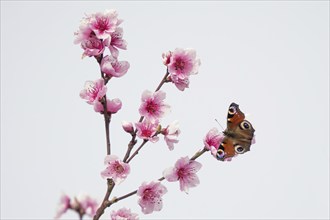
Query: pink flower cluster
point(98, 31)
point(151, 196)
point(153, 108)
point(83, 204)
point(181, 63)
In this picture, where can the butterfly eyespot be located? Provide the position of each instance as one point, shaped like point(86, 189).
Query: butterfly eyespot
point(220, 154)
point(232, 110)
point(239, 149)
point(245, 125)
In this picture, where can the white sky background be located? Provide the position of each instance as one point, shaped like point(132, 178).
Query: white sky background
point(272, 58)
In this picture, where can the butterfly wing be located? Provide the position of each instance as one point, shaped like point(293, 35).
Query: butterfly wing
point(234, 116)
point(226, 149)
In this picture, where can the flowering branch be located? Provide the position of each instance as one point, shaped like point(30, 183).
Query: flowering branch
point(117, 199)
point(100, 31)
point(133, 140)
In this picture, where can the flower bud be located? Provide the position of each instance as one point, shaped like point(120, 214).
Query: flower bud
point(128, 126)
point(114, 105)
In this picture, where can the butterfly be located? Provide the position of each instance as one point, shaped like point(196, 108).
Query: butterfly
point(237, 136)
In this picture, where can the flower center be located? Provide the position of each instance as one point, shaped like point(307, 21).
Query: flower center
point(182, 173)
point(102, 24)
point(146, 133)
point(148, 194)
point(179, 65)
point(151, 107)
point(119, 168)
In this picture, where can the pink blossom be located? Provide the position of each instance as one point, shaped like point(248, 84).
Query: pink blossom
point(123, 214)
point(151, 196)
point(184, 172)
point(128, 127)
point(183, 62)
point(112, 67)
point(153, 106)
point(93, 46)
point(180, 82)
point(103, 24)
point(113, 106)
point(88, 204)
point(63, 206)
point(147, 130)
point(116, 169)
point(93, 91)
point(171, 133)
point(117, 41)
point(213, 138)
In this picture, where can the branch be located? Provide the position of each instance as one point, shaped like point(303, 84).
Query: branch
point(105, 202)
point(107, 119)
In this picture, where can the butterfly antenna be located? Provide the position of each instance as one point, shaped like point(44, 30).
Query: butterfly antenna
point(219, 124)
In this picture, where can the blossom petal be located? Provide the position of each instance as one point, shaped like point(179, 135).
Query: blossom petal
point(170, 174)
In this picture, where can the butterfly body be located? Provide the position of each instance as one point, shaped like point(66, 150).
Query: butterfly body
point(237, 136)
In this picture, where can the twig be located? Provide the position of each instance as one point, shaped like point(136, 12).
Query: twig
point(137, 150)
point(198, 154)
point(164, 80)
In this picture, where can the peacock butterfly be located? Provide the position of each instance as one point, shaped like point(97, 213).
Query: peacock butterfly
point(238, 135)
